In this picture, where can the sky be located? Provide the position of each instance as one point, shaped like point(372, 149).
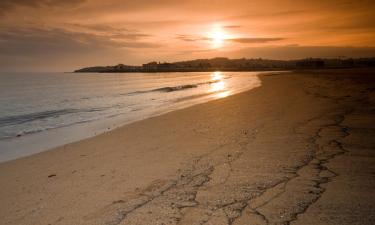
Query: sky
point(63, 35)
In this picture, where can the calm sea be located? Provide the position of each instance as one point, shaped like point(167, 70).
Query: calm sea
point(39, 111)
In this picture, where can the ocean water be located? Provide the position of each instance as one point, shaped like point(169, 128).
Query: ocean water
point(39, 111)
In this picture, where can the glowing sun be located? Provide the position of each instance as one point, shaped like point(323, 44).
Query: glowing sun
point(218, 37)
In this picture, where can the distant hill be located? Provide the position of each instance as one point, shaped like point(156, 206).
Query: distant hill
point(243, 64)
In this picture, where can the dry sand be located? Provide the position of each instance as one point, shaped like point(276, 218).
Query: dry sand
point(300, 149)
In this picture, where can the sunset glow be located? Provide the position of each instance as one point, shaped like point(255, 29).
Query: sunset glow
point(215, 76)
point(71, 34)
point(218, 37)
point(218, 86)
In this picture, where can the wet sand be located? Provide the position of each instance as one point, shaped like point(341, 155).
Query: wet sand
point(300, 149)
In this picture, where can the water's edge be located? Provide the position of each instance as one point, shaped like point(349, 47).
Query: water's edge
point(31, 144)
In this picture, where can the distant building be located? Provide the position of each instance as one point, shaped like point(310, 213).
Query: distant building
point(151, 66)
point(310, 63)
point(164, 66)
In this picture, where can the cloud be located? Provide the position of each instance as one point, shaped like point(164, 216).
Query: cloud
point(30, 41)
point(110, 31)
point(191, 38)
point(6, 5)
point(25, 49)
point(267, 14)
point(298, 52)
point(184, 52)
point(254, 40)
point(232, 26)
point(99, 27)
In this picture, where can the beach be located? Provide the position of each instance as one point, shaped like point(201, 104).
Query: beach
point(299, 149)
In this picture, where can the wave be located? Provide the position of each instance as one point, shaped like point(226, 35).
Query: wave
point(4, 136)
point(174, 88)
point(24, 118)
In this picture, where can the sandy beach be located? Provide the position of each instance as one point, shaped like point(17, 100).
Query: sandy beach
point(300, 149)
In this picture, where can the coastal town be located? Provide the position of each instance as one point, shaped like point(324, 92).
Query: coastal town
point(243, 64)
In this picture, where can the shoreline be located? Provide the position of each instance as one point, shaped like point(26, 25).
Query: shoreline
point(276, 154)
point(34, 143)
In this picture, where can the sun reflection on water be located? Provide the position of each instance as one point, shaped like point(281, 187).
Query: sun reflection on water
point(218, 87)
point(216, 76)
point(223, 94)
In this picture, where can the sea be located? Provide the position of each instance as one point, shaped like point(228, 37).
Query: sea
point(40, 111)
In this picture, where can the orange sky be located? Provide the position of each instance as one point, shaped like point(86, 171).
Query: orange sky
point(57, 35)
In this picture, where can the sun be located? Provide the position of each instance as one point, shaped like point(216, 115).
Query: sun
point(218, 37)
